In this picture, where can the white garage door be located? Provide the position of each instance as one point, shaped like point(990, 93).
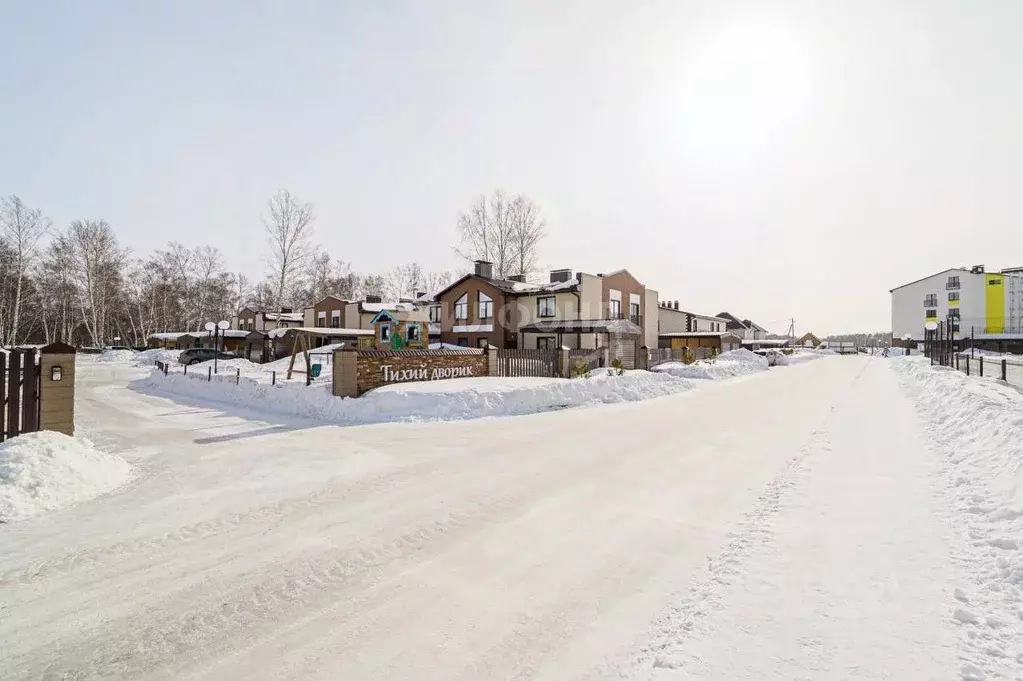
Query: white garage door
point(625, 350)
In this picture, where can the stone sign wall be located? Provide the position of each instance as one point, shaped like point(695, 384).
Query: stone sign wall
point(357, 371)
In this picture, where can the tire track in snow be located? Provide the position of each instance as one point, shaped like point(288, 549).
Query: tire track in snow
point(670, 632)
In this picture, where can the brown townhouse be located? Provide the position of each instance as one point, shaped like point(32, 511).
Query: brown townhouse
point(580, 311)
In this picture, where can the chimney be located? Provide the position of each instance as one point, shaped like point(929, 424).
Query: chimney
point(676, 304)
point(485, 269)
point(558, 276)
point(373, 299)
point(521, 278)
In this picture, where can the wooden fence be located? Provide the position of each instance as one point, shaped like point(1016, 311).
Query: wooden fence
point(527, 362)
point(594, 359)
point(19, 393)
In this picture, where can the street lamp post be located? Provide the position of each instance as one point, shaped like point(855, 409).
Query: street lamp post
point(217, 328)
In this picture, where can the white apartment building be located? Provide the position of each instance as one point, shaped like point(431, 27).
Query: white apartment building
point(985, 305)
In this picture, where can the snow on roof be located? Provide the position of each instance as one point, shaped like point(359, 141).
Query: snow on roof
point(528, 288)
point(283, 316)
point(695, 334)
point(171, 335)
point(320, 331)
point(378, 307)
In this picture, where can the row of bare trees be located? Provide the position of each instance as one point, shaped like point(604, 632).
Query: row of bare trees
point(79, 285)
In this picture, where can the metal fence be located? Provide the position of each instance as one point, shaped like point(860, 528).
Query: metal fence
point(1008, 369)
point(527, 362)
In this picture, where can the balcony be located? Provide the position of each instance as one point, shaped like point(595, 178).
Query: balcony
point(952, 286)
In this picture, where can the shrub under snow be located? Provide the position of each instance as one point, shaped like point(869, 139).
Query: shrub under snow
point(46, 471)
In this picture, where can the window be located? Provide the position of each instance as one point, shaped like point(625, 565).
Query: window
point(435, 313)
point(335, 319)
point(462, 307)
point(994, 282)
point(634, 312)
point(546, 343)
point(953, 313)
point(931, 314)
point(385, 333)
point(953, 282)
point(930, 300)
point(545, 306)
point(463, 341)
point(412, 333)
point(483, 342)
point(615, 309)
point(321, 319)
point(953, 295)
point(486, 306)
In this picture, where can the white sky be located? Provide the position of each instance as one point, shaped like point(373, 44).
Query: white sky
point(773, 159)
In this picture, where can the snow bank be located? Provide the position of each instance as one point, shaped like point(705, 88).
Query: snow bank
point(119, 356)
point(977, 425)
point(455, 399)
point(726, 365)
point(46, 471)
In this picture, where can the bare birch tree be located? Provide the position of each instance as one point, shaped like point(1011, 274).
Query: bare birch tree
point(289, 227)
point(504, 230)
point(404, 281)
point(21, 228)
point(528, 229)
point(96, 265)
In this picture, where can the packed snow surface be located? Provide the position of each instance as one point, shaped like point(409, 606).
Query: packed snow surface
point(849, 519)
point(46, 471)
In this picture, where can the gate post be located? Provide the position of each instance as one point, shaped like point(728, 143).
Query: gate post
point(492, 368)
point(564, 363)
point(1003, 370)
point(57, 388)
point(643, 358)
point(982, 365)
point(345, 372)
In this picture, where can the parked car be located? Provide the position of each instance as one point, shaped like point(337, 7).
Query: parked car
point(196, 355)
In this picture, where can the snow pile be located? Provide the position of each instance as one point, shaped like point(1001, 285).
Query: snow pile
point(119, 356)
point(726, 365)
point(151, 357)
point(799, 356)
point(454, 399)
point(977, 425)
point(46, 471)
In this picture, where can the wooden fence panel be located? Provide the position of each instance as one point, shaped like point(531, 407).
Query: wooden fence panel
point(527, 362)
point(14, 393)
point(3, 395)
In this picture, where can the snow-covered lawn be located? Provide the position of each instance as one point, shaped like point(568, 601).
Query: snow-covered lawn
point(854, 518)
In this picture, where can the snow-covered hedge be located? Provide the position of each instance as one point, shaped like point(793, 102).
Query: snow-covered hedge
point(428, 401)
point(46, 471)
point(726, 365)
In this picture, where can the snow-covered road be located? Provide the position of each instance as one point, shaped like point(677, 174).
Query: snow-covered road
point(784, 525)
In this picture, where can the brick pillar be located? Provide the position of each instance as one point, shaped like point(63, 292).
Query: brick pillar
point(564, 363)
point(492, 368)
point(57, 390)
point(345, 374)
